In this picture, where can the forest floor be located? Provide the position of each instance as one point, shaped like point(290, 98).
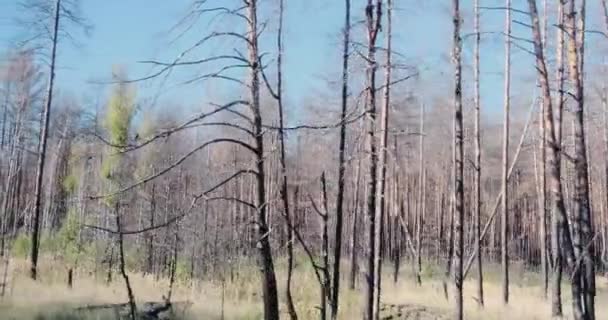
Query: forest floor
point(239, 299)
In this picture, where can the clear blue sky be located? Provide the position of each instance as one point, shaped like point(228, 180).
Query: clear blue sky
point(127, 31)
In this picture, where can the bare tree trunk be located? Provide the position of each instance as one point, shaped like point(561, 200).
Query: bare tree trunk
point(121, 256)
point(325, 285)
point(284, 194)
point(556, 291)
point(266, 264)
point(458, 162)
point(450, 255)
point(7, 95)
point(398, 236)
point(373, 15)
point(381, 202)
point(584, 295)
point(42, 145)
point(604, 216)
point(477, 179)
point(561, 239)
point(421, 200)
point(150, 235)
point(354, 265)
point(505, 159)
point(542, 177)
point(335, 292)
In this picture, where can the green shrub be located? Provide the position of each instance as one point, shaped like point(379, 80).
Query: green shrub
point(21, 246)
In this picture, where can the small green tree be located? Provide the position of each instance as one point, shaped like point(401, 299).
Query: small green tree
point(119, 115)
point(68, 238)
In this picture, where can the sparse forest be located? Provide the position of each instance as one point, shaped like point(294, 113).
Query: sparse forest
point(471, 187)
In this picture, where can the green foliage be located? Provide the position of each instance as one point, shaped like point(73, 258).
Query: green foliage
point(120, 111)
point(67, 237)
point(69, 183)
point(21, 246)
point(182, 271)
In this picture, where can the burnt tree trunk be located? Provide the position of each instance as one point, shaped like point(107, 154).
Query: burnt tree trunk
point(335, 292)
point(265, 260)
point(458, 165)
point(44, 128)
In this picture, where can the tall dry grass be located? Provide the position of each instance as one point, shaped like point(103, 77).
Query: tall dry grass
point(240, 298)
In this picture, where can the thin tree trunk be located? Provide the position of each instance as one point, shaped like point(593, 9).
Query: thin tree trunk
point(542, 177)
point(266, 264)
point(354, 265)
point(381, 189)
point(335, 292)
point(284, 194)
point(421, 200)
point(604, 216)
point(556, 289)
point(123, 272)
point(477, 179)
point(458, 162)
point(7, 95)
point(325, 289)
point(373, 17)
point(42, 144)
point(505, 159)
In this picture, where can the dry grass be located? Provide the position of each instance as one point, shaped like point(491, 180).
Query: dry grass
point(241, 300)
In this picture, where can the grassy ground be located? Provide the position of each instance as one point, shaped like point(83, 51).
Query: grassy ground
point(50, 299)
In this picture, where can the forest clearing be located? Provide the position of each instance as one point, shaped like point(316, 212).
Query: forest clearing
point(291, 159)
point(238, 299)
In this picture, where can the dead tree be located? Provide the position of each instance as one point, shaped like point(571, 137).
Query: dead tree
point(421, 199)
point(283, 192)
point(458, 166)
point(604, 227)
point(584, 269)
point(505, 159)
point(477, 168)
point(335, 292)
point(561, 238)
point(381, 202)
point(354, 263)
point(373, 14)
point(556, 294)
point(266, 264)
point(121, 265)
point(542, 189)
point(325, 280)
point(44, 128)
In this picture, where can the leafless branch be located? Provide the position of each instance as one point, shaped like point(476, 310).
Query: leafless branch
point(173, 165)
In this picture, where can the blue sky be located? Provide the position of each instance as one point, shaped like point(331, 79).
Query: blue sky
point(127, 31)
